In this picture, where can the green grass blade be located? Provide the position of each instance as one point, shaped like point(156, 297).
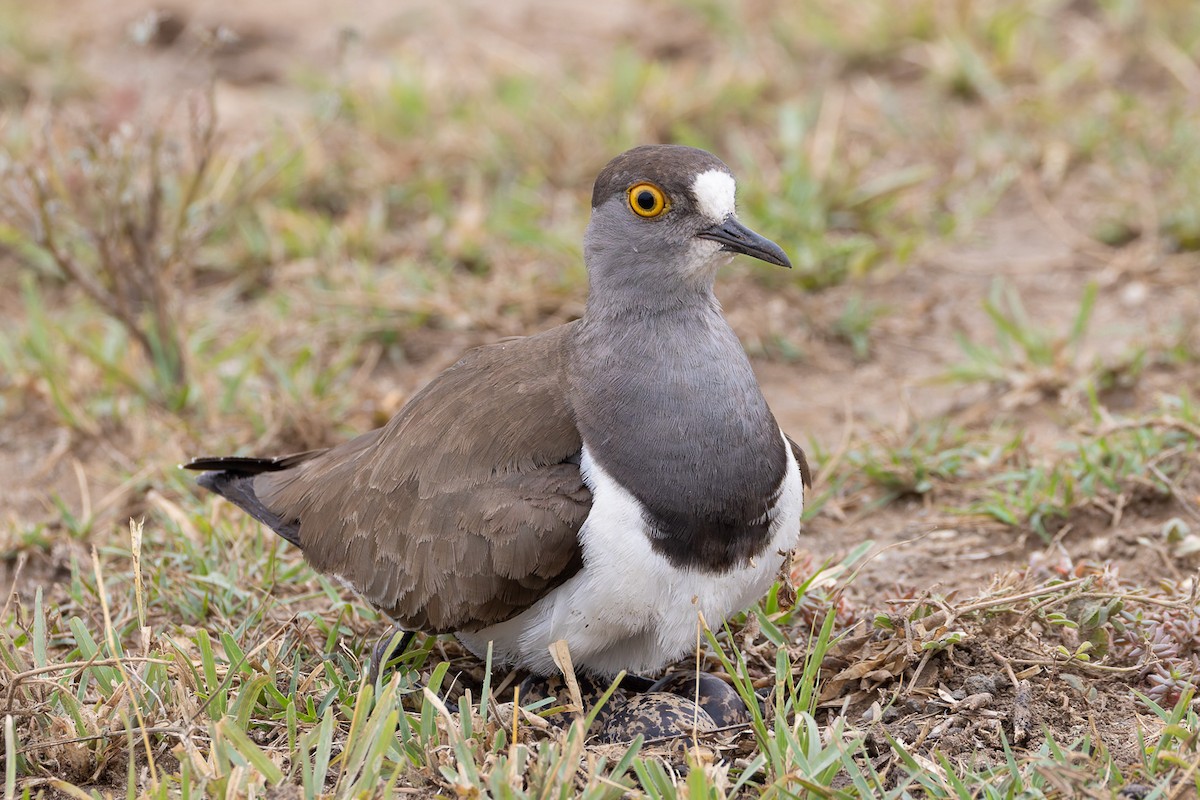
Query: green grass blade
point(255, 757)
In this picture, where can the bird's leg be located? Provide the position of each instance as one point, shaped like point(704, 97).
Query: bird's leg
point(385, 652)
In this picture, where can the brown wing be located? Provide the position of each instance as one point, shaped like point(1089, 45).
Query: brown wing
point(464, 509)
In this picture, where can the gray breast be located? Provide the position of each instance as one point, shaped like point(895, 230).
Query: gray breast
point(671, 410)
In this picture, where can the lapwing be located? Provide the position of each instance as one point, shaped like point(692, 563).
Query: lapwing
point(604, 482)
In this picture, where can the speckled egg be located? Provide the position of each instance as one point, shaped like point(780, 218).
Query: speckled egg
point(655, 715)
point(722, 702)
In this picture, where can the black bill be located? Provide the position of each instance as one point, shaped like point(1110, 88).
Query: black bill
point(737, 238)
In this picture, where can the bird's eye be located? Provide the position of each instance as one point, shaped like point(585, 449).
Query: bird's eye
point(647, 200)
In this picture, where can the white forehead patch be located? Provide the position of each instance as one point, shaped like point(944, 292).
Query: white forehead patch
point(714, 192)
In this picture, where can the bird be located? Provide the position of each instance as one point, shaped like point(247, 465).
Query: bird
point(604, 482)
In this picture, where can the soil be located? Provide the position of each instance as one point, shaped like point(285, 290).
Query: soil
point(960, 700)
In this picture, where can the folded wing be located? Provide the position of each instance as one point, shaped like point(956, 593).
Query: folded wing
point(461, 512)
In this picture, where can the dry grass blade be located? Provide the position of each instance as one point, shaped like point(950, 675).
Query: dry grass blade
point(561, 653)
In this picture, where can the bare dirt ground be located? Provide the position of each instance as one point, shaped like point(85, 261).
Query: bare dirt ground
point(822, 391)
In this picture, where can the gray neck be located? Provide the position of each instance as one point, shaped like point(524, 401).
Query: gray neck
point(674, 312)
point(667, 404)
point(633, 272)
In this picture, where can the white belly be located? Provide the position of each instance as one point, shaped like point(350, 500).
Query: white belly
point(628, 607)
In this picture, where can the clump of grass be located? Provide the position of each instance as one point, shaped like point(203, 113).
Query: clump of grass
point(843, 220)
point(121, 215)
point(854, 324)
point(1027, 361)
point(918, 461)
point(1101, 470)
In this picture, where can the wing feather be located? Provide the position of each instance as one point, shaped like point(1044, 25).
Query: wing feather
point(465, 508)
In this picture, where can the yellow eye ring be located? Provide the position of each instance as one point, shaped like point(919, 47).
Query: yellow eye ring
point(647, 200)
